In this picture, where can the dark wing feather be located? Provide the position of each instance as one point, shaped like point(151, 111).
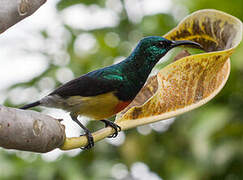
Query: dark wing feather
point(87, 85)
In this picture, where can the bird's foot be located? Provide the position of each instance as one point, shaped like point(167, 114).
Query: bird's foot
point(114, 126)
point(90, 140)
point(86, 130)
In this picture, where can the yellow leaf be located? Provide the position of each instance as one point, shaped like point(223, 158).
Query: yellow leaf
point(186, 83)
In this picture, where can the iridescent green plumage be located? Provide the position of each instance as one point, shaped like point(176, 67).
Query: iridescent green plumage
point(126, 78)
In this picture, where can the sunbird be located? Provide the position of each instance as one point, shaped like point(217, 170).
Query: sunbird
point(102, 93)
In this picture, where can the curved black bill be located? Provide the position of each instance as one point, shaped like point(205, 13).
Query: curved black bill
point(187, 43)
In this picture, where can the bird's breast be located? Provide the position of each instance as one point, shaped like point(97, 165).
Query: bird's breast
point(97, 107)
point(121, 105)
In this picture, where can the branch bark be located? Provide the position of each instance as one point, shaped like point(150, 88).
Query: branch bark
point(14, 11)
point(29, 130)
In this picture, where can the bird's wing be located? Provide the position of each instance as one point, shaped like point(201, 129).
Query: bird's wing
point(88, 85)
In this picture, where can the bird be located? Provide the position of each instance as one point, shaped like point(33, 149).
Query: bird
point(102, 93)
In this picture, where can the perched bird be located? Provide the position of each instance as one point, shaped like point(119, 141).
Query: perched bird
point(103, 93)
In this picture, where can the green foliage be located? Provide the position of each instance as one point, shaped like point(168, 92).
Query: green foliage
point(66, 3)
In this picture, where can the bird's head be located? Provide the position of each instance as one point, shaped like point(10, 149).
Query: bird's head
point(155, 47)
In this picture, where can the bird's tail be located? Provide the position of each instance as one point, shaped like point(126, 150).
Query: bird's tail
point(27, 106)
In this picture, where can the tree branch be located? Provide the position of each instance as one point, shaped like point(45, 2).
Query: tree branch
point(14, 11)
point(29, 130)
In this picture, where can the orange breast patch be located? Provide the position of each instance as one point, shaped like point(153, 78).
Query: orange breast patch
point(121, 105)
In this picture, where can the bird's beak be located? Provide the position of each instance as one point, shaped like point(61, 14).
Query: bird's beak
point(187, 43)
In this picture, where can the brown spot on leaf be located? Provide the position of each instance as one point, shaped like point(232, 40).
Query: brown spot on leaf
point(136, 112)
point(217, 57)
point(188, 66)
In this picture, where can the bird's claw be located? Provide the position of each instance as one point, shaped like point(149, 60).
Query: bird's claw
point(90, 140)
point(114, 126)
point(117, 129)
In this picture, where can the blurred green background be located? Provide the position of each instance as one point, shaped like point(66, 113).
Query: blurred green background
point(203, 144)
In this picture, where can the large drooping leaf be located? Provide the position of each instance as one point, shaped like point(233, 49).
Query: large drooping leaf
point(186, 83)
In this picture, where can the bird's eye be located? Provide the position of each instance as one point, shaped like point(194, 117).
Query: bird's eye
point(162, 45)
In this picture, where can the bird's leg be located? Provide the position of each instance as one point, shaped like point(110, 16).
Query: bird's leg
point(86, 130)
point(114, 126)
